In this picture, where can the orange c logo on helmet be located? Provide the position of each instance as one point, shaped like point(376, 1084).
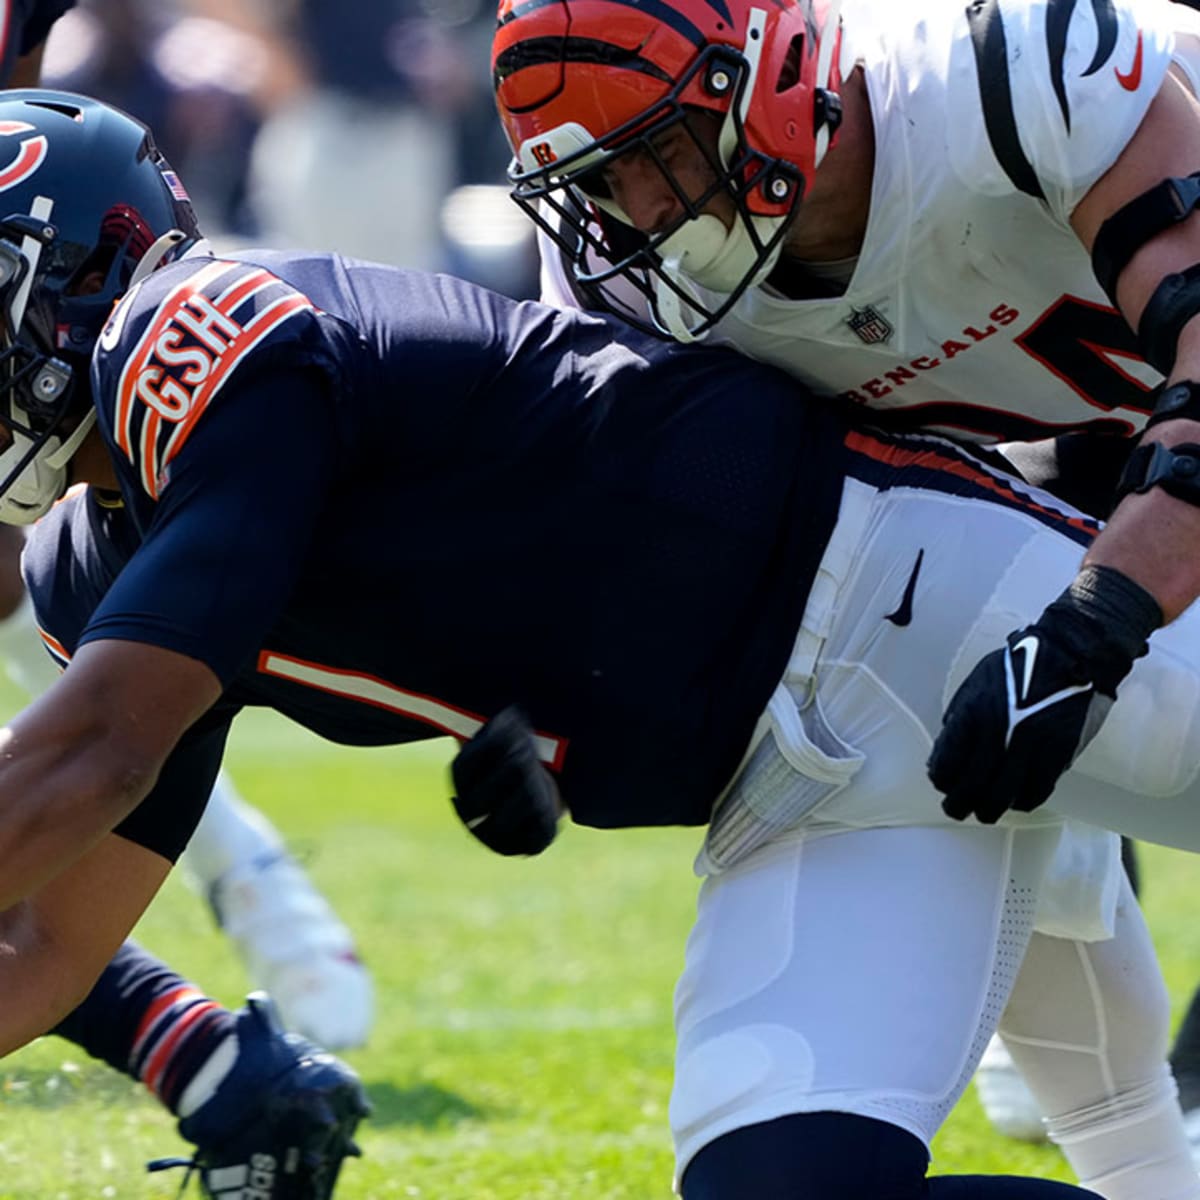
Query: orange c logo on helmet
point(30, 154)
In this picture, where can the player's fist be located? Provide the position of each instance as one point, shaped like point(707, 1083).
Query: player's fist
point(1014, 726)
point(503, 793)
point(1025, 712)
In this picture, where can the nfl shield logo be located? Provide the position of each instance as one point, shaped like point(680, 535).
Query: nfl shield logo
point(870, 325)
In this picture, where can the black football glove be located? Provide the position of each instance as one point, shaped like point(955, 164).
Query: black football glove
point(1025, 712)
point(503, 793)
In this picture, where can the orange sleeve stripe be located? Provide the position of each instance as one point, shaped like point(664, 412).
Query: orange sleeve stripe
point(54, 645)
point(150, 426)
point(242, 289)
point(253, 333)
point(263, 324)
point(127, 384)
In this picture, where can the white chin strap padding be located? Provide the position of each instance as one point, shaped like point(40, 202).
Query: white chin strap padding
point(36, 488)
point(721, 259)
point(150, 261)
point(58, 459)
point(43, 480)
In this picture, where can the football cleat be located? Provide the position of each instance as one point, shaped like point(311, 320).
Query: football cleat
point(280, 1123)
point(1006, 1099)
point(296, 949)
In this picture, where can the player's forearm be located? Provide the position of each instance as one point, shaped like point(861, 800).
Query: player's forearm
point(57, 800)
point(1154, 537)
point(76, 761)
point(38, 991)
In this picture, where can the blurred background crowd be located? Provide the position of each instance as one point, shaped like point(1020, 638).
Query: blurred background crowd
point(362, 126)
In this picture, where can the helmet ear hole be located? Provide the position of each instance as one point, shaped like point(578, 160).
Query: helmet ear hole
point(92, 273)
point(789, 73)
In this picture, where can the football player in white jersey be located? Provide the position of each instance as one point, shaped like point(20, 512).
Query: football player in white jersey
point(904, 211)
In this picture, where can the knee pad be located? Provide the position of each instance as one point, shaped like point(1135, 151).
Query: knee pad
point(830, 1155)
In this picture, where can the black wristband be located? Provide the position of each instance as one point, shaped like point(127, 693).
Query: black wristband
point(1118, 611)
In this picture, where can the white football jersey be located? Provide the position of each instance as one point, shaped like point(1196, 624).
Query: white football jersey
point(972, 304)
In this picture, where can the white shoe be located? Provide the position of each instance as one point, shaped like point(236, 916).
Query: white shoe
point(1007, 1101)
point(295, 948)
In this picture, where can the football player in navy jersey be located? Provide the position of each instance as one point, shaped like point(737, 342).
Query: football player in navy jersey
point(227, 1076)
point(641, 585)
point(286, 932)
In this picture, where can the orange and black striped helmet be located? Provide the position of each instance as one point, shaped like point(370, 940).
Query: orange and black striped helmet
point(580, 82)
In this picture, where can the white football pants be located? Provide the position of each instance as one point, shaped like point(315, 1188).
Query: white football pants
point(860, 957)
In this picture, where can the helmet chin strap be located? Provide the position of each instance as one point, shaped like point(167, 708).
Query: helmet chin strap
point(833, 14)
point(35, 489)
point(667, 311)
point(58, 459)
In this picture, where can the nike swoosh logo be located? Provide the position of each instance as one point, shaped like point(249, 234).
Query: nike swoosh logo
point(1133, 78)
point(903, 615)
point(1029, 648)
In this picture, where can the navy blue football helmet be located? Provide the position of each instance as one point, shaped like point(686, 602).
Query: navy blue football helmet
point(88, 207)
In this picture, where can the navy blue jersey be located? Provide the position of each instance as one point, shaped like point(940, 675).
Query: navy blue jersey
point(389, 504)
point(24, 25)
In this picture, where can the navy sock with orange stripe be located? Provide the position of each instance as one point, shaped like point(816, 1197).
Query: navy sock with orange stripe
point(149, 1022)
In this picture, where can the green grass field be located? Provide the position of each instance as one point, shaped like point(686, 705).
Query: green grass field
point(523, 1043)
